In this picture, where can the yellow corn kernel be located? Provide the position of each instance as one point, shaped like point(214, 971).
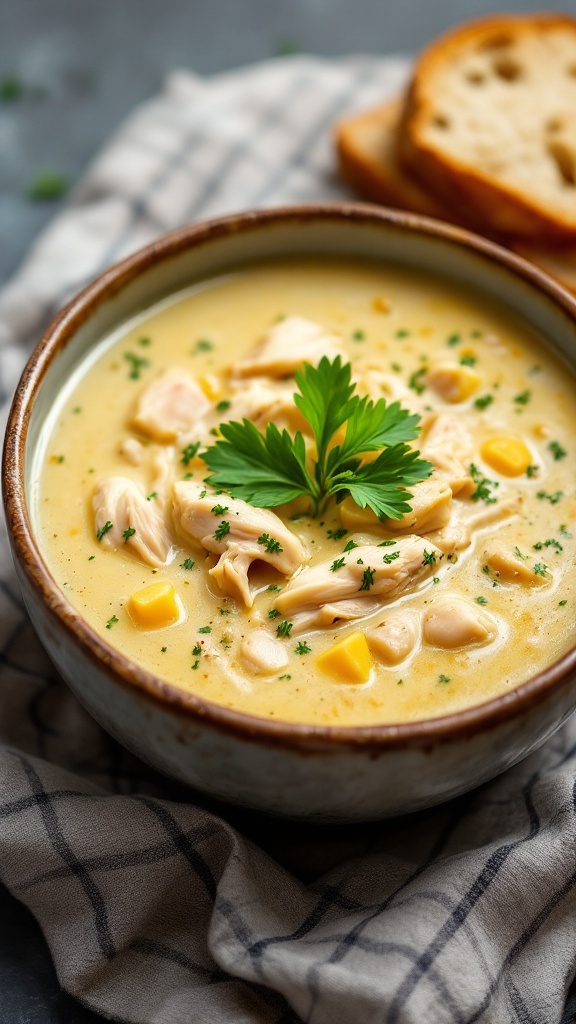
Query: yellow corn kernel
point(357, 519)
point(452, 382)
point(154, 606)
point(380, 304)
point(349, 659)
point(507, 455)
point(210, 386)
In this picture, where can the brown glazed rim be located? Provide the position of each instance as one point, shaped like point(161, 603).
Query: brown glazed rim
point(303, 738)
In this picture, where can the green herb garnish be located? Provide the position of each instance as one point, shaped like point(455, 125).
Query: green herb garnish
point(483, 486)
point(187, 564)
point(273, 613)
point(428, 557)
point(552, 498)
point(273, 546)
point(284, 629)
point(48, 185)
point(523, 398)
point(540, 569)
point(483, 401)
point(153, 494)
point(391, 557)
point(202, 345)
point(188, 454)
point(302, 647)
point(273, 468)
point(443, 679)
point(220, 510)
point(112, 621)
point(127, 533)
point(337, 564)
point(221, 530)
point(367, 579)
point(336, 534)
point(205, 629)
point(103, 529)
point(557, 450)
point(223, 406)
point(137, 364)
point(481, 600)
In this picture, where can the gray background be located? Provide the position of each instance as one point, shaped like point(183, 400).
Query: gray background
point(83, 65)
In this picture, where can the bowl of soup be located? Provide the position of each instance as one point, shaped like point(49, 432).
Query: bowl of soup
point(291, 502)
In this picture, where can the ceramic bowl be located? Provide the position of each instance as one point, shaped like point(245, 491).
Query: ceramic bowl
point(315, 772)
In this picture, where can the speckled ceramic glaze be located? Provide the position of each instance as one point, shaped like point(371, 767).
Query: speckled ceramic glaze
point(321, 773)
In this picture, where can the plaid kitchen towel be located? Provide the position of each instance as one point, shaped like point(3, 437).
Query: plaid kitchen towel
point(158, 910)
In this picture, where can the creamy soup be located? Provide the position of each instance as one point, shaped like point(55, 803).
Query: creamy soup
point(343, 617)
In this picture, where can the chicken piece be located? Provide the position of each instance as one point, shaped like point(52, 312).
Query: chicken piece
point(431, 503)
point(132, 451)
point(512, 567)
point(452, 382)
point(452, 622)
point(396, 637)
point(448, 445)
point(369, 577)
point(287, 345)
point(373, 382)
point(265, 401)
point(239, 533)
point(459, 532)
point(137, 525)
point(171, 405)
point(263, 654)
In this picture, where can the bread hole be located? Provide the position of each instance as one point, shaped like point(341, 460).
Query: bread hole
point(507, 68)
point(554, 124)
point(498, 41)
point(441, 121)
point(475, 77)
point(565, 161)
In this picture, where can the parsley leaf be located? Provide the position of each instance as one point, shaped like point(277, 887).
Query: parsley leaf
point(274, 468)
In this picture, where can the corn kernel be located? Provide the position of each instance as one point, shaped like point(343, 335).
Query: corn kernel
point(349, 659)
point(507, 455)
point(210, 386)
point(154, 606)
point(452, 382)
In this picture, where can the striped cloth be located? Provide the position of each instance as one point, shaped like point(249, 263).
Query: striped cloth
point(158, 911)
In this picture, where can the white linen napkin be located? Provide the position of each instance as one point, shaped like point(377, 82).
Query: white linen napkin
point(157, 909)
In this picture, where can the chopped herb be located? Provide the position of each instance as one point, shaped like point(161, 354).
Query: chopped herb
point(390, 557)
point(552, 498)
point(205, 629)
point(562, 603)
point(163, 650)
point(112, 621)
point(127, 533)
point(274, 586)
point(453, 340)
point(387, 543)
point(540, 569)
point(284, 629)
point(359, 562)
point(77, 409)
point(486, 569)
point(468, 360)
point(302, 647)
point(481, 600)
point(273, 468)
point(563, 529)
point(336, 534)
point(226, 641)
point(519, 554)
point(188, 476)
point(223, 405)
point(350, 546)
point(443, 679)
point(285, 676)
point(91, 557)
point(103, 529)
point(48, 185)
point(415, 382)
point(550, 543)
point(483, 485)
point(153, 494)
point(396, 367)
point(60, 459)
point(187, 564)
point(221, 530)
point(523, 398)
point(402, 332)
point(358, 335)
point(196, 664)
point(429, 557)
point(203, 493)
point(11, 89)
point(367, 579)
point(202, 345)
point(197, 650)
point(273, 547)
point(483, 401)
point(136, 363)
point(436, 579)
point(273, 613)
point(531, 471)
point(220, 510)
point(337, 564)
point(557, 450)
point(144, 342)
point(400, 681)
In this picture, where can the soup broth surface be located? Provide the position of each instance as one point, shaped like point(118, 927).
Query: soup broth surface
point(396, 328)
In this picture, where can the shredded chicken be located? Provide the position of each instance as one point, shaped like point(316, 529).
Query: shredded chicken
point(396, 637)
point(265, 401)
point(448, 445)
point(132, 451)
point(464, 524)
point(452, 622)
point(370, 576)
point(170, 406)
point(262, 653)
point(373, 382)
point(431, 503)
point(121, 502)
point(240, 533)
point(287, 345)
point(511, 567)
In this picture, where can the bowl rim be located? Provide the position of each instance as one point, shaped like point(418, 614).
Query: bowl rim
point(305, 738)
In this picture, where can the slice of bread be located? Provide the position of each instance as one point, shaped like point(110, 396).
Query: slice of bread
point(489, 123)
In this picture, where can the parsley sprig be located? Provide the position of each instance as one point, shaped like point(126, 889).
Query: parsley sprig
point(274, 468)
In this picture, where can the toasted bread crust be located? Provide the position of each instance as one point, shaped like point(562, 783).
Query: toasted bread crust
point(458, 176)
